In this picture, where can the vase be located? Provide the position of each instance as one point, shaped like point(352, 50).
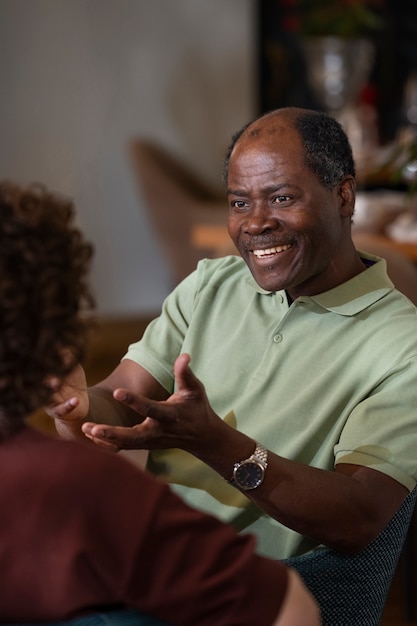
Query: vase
point(337, 71)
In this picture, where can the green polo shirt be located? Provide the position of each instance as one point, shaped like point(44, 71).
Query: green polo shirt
point(330, 378)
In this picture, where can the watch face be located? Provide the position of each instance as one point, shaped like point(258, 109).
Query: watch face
point(249, 475)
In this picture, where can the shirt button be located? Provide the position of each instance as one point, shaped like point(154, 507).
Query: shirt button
point(277, 338)
point(280, 298)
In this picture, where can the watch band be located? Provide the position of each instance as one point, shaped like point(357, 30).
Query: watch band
point(260, 454)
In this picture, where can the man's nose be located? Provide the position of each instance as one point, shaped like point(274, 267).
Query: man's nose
point(261, 219)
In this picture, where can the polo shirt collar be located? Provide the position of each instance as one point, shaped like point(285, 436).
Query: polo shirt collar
point(353, 296)
point(359, 292)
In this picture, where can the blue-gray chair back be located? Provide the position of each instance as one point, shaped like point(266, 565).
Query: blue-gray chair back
point(352, 590)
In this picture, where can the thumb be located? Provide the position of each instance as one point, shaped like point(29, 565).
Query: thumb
point(184, 377)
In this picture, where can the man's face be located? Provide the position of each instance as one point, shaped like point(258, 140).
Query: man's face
point(285, 224)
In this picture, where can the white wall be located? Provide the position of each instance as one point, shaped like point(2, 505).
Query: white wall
point(79, 78)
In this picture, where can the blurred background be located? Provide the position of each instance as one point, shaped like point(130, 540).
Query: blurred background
point(89, 88)
point(81, 78)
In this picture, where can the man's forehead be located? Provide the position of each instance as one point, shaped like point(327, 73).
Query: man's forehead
point(271, 138)
point(268, 130)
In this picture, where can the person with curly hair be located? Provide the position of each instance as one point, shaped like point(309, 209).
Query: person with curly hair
point(84, 531)
point(43, 268)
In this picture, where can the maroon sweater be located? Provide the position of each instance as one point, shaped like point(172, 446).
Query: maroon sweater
point(82, 529)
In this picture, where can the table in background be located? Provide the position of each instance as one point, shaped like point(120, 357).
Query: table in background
point(216, 237)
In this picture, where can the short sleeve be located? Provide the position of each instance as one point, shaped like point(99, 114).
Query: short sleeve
point(381, 432)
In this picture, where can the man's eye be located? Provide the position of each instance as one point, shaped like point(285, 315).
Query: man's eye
point(239, 204)
point(279, 199)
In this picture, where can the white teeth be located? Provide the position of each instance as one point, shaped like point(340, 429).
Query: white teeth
point(268, 251)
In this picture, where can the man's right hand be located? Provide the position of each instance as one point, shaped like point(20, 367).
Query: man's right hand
point(69, 404)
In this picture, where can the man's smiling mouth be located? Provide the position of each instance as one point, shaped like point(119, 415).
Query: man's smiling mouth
point(260, 254)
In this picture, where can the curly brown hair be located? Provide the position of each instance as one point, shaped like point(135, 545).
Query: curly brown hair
point(44, 261)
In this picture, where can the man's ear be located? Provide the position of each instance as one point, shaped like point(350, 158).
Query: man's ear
point(347, 194)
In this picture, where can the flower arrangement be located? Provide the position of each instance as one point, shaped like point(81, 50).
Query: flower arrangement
point(339, 18)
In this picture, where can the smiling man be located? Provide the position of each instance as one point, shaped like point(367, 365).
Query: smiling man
point(276, 387)
point(291, 226)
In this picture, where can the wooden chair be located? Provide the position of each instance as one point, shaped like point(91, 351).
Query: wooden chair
point(175, 199)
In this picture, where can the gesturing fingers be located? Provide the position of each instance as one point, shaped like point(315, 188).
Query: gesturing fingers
point(113, 437)
point(124, 437)
point(156, 411)
point(176, 422)
point(139, 404)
